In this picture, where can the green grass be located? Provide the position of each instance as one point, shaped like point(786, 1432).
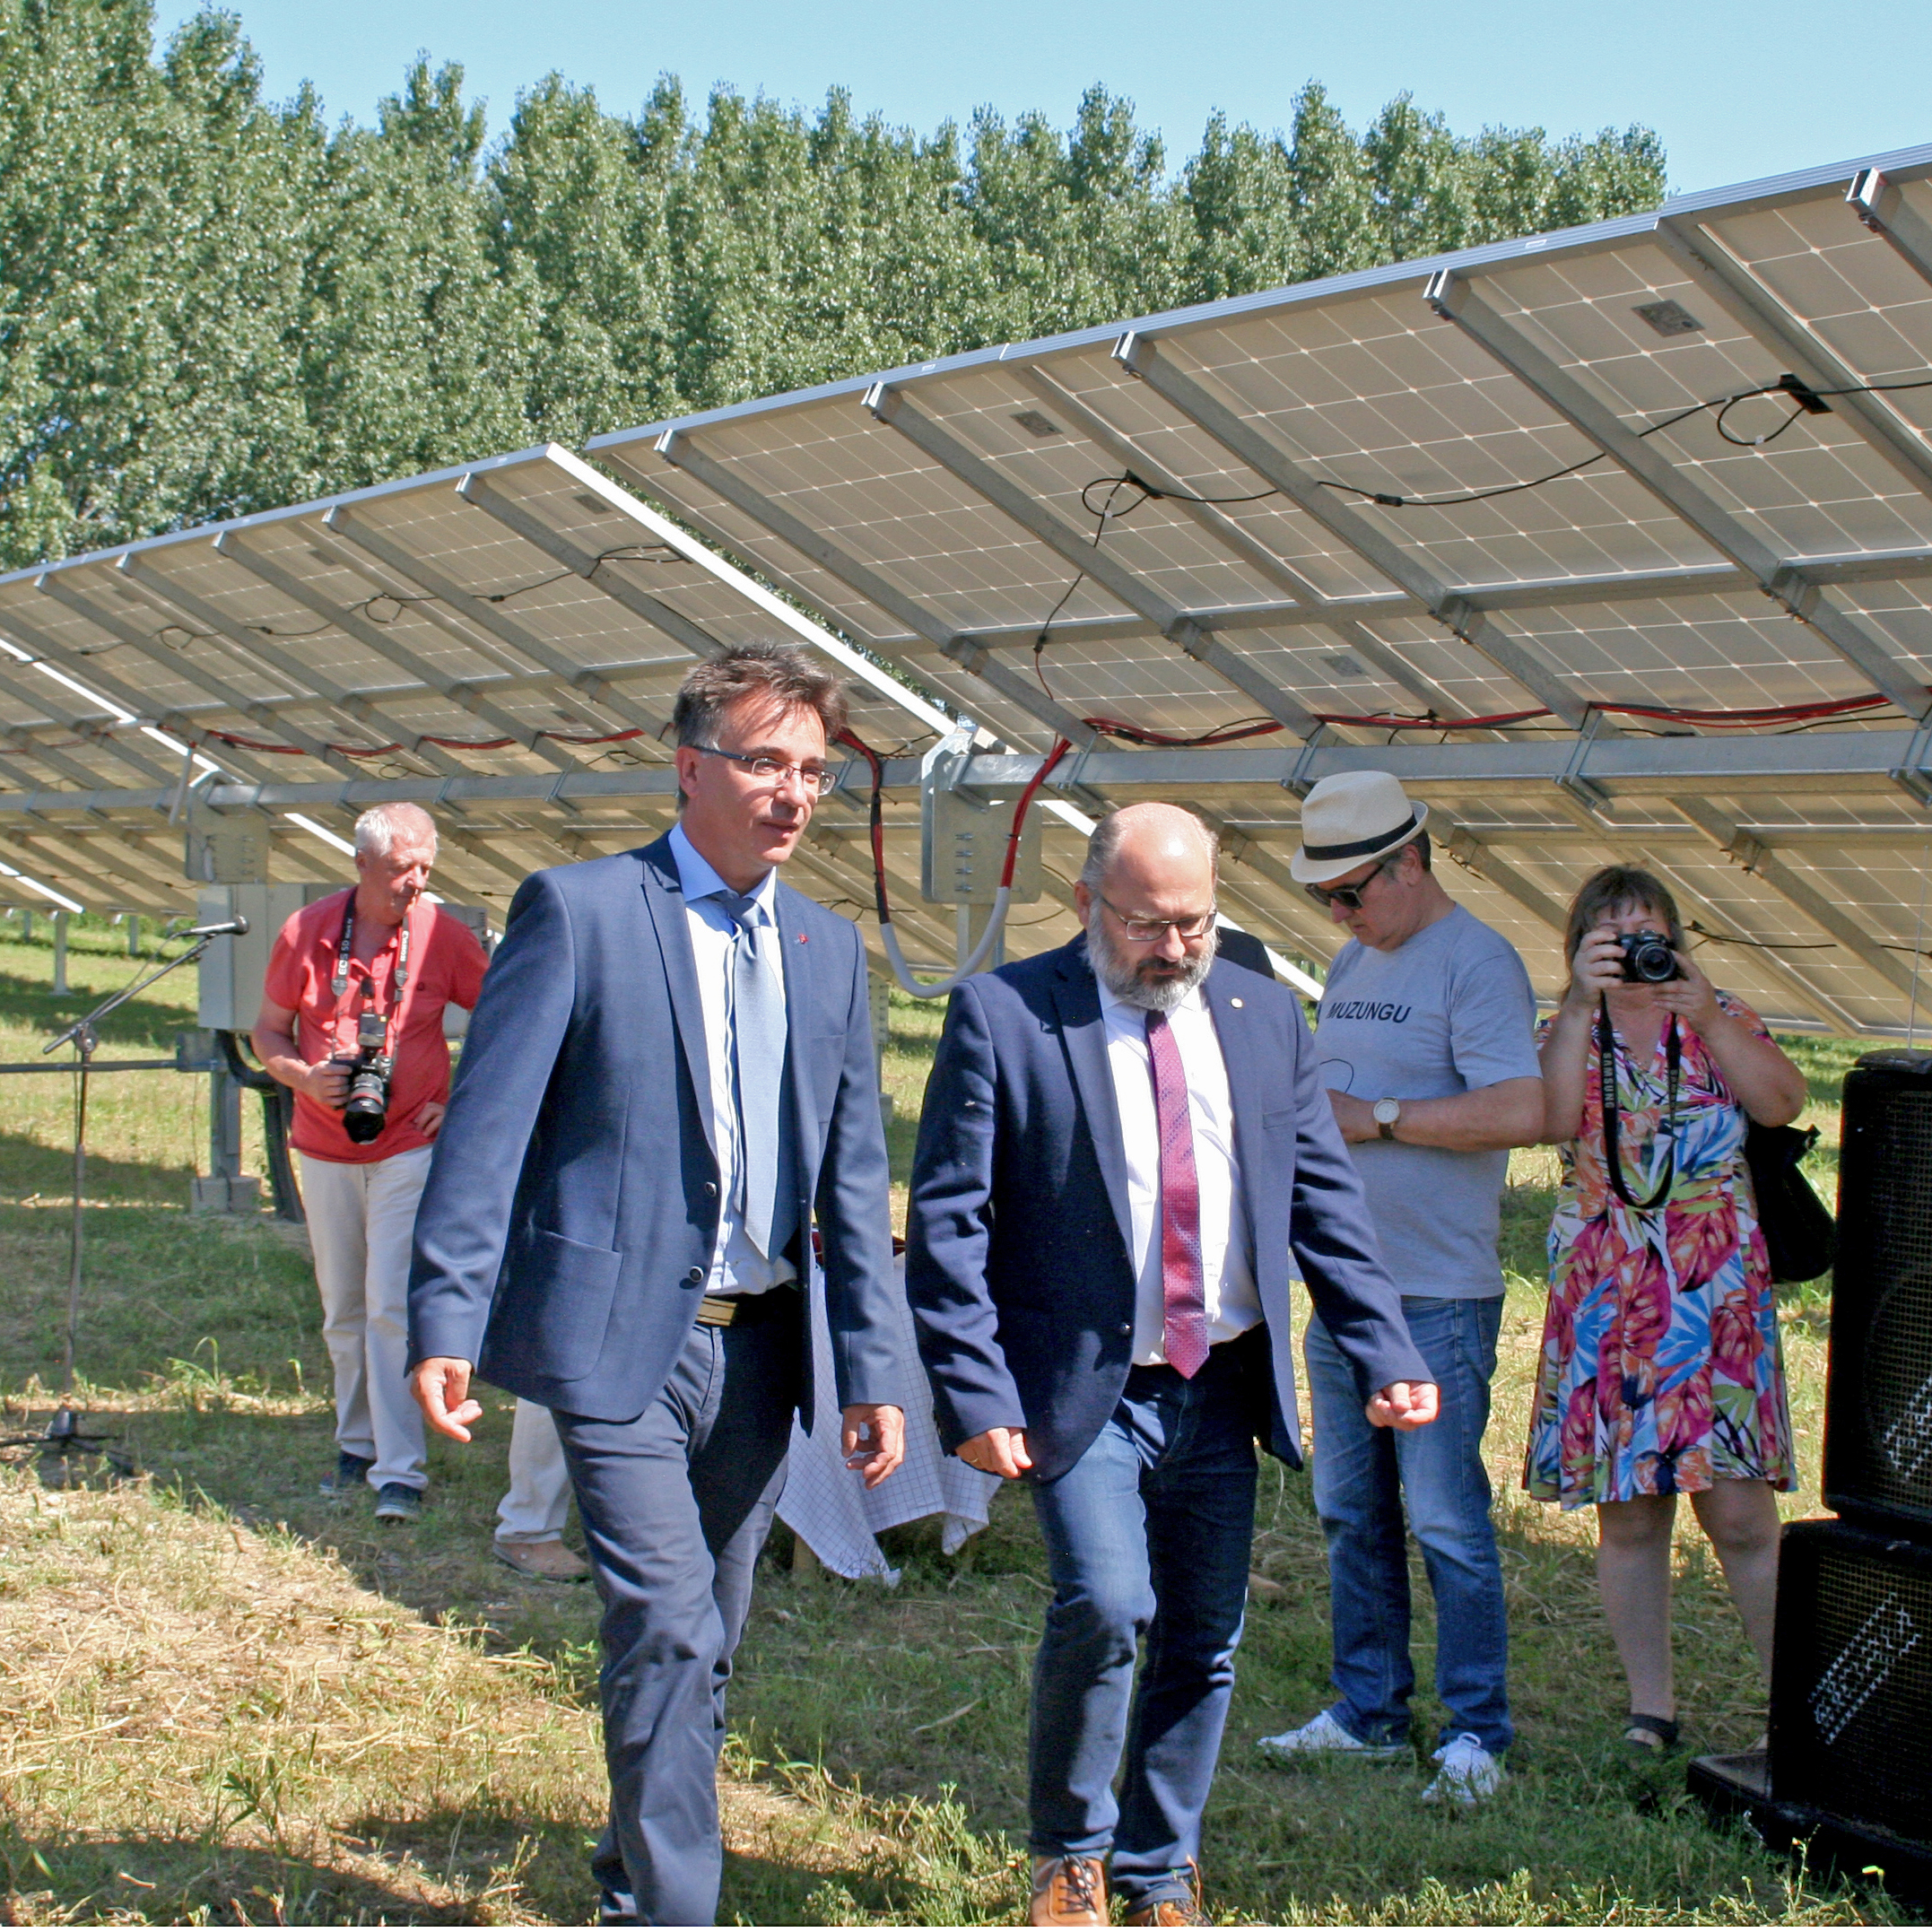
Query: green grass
point(876, 1768)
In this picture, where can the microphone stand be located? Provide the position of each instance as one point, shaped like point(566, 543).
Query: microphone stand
point(62, 1433)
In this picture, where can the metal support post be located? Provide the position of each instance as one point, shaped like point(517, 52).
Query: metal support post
point(60, 955)
point(225, 1190)
point(133, 933)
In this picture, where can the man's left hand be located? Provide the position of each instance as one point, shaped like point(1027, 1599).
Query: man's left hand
point(1402, 1406)
point(873, 1439)
point(428, 1119)
point(1354, 1117)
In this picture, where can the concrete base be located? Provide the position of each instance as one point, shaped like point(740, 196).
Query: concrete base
point(222, 1194)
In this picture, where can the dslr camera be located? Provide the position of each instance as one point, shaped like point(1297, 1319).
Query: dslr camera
point(366, 1111)
point(1648, 959)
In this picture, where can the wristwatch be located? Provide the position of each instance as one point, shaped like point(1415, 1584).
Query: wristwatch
point(1387, 1113)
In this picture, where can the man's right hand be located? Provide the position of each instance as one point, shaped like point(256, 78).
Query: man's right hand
point(998, 1451)
point(441, 1386)
point(326, 1083)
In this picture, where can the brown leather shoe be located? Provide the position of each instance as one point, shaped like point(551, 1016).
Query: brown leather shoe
point(548, 1559)
point(1070, 1890)
point(1184, 1912)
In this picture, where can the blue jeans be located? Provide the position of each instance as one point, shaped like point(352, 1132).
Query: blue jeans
point(1147, 1535)
point(675, 1507)
point(1363, 1475)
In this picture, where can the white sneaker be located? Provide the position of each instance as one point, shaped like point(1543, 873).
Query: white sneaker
point(1323, 1737)
point(1469, 1773)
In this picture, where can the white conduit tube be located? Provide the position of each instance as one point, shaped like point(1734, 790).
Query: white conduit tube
point(939, 988)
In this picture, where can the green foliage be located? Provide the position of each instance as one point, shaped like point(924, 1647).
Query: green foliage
point(210, 303)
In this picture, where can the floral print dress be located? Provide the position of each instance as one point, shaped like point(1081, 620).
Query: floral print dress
point(1661, 1369)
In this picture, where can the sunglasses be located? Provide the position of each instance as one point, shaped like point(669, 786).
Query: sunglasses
point(1348, 897)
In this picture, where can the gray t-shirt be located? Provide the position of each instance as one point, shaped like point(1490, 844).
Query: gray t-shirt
point(1448, 1010)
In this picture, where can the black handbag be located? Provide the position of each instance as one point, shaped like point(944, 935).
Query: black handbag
point(1799, 1234)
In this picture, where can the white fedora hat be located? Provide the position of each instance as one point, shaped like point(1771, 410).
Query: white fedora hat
point(1348, 820)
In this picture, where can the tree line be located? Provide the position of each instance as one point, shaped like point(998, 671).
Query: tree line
point(212, 303)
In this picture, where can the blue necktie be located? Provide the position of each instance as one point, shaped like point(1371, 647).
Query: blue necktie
point(758, 1070)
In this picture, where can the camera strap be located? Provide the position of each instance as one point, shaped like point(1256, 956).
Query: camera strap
point(344, 946)
point(1606, 1075)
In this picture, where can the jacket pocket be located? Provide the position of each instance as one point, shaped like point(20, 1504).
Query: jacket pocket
point(559, 1304)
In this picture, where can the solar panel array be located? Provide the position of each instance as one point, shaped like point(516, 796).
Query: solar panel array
point(1614, 544)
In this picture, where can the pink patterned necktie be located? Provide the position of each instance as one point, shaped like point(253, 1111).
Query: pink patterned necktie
point(1184, 1306)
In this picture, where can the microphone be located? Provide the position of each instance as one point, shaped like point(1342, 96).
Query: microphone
point(238, 926)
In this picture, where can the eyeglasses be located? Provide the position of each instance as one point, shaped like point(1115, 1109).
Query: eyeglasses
point(817, 780)
point(1349, 897)
point(1195, 926)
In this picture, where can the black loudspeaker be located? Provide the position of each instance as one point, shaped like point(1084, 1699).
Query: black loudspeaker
point(1879, 1393)
point(1851, 1680)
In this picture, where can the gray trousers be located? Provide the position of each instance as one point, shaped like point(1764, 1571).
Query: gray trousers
point(675, 1507)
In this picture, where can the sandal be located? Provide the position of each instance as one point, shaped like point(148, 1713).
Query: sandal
point(1649, 1733)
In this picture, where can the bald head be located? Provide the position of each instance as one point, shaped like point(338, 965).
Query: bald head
point(1168, 838)
point(1148, 882)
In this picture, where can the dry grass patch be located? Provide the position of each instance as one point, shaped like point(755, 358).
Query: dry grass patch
point(206, 1723)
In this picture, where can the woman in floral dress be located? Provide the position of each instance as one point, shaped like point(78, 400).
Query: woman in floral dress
point(1661, 1372)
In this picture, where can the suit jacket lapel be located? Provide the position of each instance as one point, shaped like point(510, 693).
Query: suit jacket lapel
point(664, 897)
point(1084, 1029)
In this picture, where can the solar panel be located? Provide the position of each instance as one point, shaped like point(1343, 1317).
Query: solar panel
point(1613, 544)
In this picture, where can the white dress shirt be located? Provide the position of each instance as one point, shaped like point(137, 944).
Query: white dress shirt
point(736, 1265)
point(1227, 1278)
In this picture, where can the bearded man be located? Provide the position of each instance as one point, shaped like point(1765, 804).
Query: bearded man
point(1125, 1154)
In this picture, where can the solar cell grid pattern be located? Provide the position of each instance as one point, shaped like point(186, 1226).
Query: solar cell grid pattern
point(1173, 524)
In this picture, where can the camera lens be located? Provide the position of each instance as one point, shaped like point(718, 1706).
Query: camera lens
point(366, 1112)
point(1650, 960)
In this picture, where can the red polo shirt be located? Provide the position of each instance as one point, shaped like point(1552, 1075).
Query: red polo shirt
point(445, 969)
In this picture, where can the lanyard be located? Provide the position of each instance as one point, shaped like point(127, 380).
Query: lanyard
point(1613, 1155)
point(339, 983)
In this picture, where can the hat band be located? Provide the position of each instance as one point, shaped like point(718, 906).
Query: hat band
point(1357, 847)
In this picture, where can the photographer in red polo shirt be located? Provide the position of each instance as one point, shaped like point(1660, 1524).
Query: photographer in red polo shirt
point(363, 973)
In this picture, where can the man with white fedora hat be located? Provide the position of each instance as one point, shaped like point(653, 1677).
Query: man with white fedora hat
point(1425, 1039)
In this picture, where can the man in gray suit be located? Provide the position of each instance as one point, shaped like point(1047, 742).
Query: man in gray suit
point(669, 1077)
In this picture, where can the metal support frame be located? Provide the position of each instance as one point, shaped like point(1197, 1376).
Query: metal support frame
point(1093, 559)
point(1883, 209)
point(58, 585)
point(1461, 302)
point(1731, 284)
point(85, 671)
point(679, 450)
point(1257, 451)
point(391, 650)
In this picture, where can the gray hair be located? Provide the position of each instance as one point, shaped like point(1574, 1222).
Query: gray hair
point(379, 827)
point(1104, 847)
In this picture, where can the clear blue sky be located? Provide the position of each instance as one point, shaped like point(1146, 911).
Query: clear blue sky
point(1736, 90)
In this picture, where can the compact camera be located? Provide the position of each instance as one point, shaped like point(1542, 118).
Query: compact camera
point(366, 1111)
point(1648, 959)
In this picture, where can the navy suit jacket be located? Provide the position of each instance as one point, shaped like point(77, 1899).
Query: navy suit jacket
point(1018, 1240)
point(566, 1233)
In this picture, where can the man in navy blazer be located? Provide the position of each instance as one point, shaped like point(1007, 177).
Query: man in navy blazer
point(1125, 1154)
point(668, 1077)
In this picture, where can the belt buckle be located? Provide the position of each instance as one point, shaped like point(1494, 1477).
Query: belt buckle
point(716, 1312)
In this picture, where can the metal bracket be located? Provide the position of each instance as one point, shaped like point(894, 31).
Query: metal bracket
point(1586, 791)
point(1298, 781)
point(1912, 776)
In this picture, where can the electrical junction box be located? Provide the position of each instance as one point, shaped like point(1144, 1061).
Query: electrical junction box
point(963, 846)
point(235, 967)
point(225, 848)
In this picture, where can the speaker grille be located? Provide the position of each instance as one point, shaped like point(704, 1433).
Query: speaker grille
point(1851, 1696)
point(1878, 1394)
